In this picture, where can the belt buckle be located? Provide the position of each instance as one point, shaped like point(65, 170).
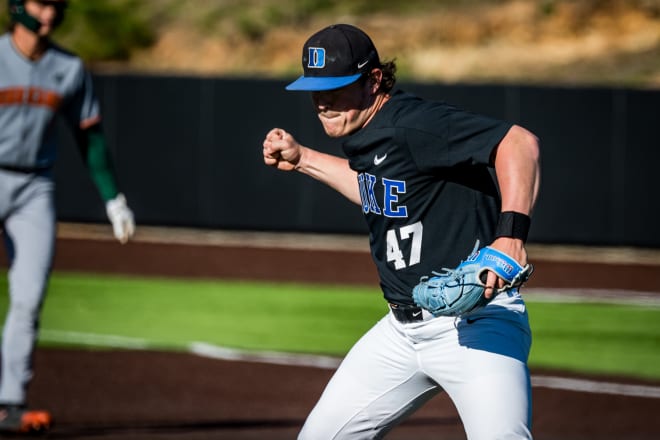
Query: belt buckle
point(407, 314)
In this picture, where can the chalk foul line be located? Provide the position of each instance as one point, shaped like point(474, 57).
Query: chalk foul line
point(591, 386)
point(326, 362)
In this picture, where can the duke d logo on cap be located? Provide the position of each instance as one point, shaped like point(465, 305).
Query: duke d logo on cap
point(335, 57)
point(316, 58)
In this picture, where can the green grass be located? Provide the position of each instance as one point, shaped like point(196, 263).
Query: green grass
point(172, 313)
point(599, 338)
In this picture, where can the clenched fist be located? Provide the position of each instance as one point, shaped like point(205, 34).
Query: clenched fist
point(281, 150)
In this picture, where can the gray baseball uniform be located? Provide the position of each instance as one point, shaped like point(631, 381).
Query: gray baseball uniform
point(32, 93)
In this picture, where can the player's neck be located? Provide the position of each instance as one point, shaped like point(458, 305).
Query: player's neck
point(378, 103)
point(29, 44)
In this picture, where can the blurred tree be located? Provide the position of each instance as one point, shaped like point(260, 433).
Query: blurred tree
point(102, 30)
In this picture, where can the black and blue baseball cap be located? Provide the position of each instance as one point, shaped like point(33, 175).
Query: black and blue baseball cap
point(335, 57)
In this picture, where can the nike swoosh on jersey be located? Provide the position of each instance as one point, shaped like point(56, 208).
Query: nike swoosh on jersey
point(379, 160)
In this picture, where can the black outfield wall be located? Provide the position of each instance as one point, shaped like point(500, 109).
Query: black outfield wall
point(188, 153)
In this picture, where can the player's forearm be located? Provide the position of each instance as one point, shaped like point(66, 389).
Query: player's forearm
point(98, 162)
point(517, 165)
point(331, 170)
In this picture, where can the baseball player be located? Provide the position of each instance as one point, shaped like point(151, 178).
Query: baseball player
point(38, 81)
point(421, 172)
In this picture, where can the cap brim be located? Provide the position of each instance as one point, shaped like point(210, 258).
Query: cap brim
point(318, 83)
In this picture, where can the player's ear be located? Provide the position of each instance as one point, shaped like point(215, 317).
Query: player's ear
point(375, 78)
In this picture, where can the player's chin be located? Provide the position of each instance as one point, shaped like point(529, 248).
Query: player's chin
point(45, 30)
point(332, 129)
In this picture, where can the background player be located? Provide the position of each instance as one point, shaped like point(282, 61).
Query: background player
point(420, 172)
point(38, 81)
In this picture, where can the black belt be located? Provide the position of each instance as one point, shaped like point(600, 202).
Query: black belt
point(407, 314)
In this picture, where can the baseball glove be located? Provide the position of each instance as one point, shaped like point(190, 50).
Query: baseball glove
point(453, 292)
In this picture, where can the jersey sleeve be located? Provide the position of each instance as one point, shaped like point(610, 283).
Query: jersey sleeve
point(83, 114)
point(83, 110)
point(446, 136)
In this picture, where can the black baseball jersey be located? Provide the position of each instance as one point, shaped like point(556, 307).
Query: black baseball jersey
point(427, 187)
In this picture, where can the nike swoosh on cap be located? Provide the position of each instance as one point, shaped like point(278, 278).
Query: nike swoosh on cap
point(362, 64)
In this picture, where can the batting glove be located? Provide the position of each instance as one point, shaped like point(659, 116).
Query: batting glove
point(121, 217)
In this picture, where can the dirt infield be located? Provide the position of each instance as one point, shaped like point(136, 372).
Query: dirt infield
point(138, 395)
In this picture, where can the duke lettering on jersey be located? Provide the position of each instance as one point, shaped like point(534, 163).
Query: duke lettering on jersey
point(391, 191)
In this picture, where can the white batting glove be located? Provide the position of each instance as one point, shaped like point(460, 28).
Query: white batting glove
point(121, 217)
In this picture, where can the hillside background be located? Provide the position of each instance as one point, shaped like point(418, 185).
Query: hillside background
point(571, 42)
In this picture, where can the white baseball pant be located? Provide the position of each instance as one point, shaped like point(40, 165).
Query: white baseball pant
point(479, 359)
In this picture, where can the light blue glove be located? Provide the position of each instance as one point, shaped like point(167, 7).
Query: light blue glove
point(453, 292)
